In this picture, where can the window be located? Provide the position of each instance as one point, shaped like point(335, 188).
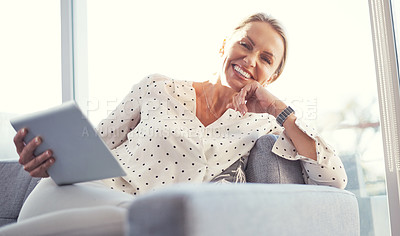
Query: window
point(384, 19)
point(30, 62)
point(330, 58)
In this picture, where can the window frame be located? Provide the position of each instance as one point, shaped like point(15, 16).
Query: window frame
point(387, 76)
point(74, 52)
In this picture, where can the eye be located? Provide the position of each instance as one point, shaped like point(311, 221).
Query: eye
point(244, 44)
point(266, 59)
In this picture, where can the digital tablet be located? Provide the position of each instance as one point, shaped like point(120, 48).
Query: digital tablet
point(80, 154)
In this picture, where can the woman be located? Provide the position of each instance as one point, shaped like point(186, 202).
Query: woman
point(167, 131)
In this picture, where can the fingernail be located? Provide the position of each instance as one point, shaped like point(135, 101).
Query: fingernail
point(48, 153)
point(23, 131)
point(37, 140)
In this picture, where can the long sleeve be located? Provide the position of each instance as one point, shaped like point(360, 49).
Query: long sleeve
point(327, 170)
point(115, 128)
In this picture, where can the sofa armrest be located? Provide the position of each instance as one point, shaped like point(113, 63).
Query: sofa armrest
point(245, 209)
point(15, 184)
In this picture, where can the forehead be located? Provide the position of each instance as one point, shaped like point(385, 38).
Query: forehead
point(264, 36)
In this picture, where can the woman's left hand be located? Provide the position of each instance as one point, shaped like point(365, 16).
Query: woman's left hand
point(253, 97)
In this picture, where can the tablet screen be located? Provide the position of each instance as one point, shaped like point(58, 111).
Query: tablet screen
point(81, 155)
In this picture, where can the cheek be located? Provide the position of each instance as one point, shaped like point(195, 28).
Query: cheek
point(233, 52)
point(264, 75)
point(227, 61)
point(224, 63)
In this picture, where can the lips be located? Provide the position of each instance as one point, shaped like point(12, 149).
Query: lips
point(241, 72)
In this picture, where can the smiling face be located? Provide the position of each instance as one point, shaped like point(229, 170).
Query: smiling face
point(253, 52)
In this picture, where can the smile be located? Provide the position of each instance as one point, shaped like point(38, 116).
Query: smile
point(243, 74)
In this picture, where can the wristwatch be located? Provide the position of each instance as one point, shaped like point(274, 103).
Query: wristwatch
point(284, 115)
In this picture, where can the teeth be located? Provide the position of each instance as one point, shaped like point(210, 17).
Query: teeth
point(243, 73)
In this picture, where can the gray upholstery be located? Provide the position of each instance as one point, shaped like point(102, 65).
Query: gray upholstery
point(245, 209)
point(222, 209)
point(16, 184)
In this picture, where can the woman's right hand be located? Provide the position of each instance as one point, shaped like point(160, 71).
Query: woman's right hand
point(37, 166)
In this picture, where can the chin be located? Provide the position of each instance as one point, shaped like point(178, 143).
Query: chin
point(235, 83)
point(229, 79)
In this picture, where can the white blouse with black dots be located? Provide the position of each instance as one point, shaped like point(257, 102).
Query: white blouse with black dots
point(155, 135)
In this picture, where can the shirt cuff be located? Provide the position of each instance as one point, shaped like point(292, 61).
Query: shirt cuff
point(284, 147)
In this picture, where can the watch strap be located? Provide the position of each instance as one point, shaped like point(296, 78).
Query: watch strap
point(281, 118)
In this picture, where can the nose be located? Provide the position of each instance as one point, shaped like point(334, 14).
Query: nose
point(250, 60)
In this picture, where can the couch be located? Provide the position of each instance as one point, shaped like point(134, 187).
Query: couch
point(276, 202)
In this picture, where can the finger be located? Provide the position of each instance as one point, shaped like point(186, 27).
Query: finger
point(235, 103)
point(243, 94)
point(19, 139)
point(239, 106)
point(239, 102)
point(247, 90)
point(41, 171)
point(37, 161)
point(244, 109)
point(242, 101)
point(27, 153)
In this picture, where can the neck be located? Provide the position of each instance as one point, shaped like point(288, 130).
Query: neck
point(212, 97)
point(218, 95)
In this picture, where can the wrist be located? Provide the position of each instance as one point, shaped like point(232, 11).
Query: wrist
point(284, 115)
point(276, 108)
point(290, 120)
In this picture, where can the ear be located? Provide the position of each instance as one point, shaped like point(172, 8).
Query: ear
point(222, 49)
point(270, 80)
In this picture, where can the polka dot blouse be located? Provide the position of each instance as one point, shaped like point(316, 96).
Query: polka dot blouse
point(158, 140)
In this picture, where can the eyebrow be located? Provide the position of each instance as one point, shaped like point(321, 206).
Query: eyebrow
point(252, 42)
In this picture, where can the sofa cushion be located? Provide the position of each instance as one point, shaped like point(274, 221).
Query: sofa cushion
point(48, 197)
point(16, 184)
point(244, 209)
point(93, 221)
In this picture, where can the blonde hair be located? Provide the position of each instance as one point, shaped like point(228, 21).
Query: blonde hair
point(262, 17)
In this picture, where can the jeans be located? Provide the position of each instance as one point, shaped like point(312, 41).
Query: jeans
point(263, 166)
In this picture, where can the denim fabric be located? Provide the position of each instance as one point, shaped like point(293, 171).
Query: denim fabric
point(263, 166)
